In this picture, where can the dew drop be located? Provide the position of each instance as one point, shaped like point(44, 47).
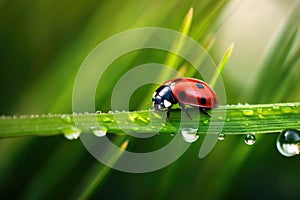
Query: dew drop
point(189, 134)
point(288, 142)
point(107, 120)
point(220, 118)
point(99, 131)
point(172, 134)
point(71, 133)
point(136, 118)
point(248, 112)
point(98, 112)
point(66, 118)
point(205, 121)
point(259, 110)
point(250, 139)
point(221, 136)
point(286, 109)
point(132, 116)
point(135, 129)
point(260, 116)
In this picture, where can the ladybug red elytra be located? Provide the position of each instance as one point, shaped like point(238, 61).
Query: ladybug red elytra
point(185, 91)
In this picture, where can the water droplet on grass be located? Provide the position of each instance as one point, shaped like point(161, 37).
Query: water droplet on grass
point(288, 142)
point(250, 139)
point(248, 112)
point(286, 109)
point(135, 129)
point(220, 118)
point(136, 118)
point(189, 134)
point(99, 131)
point(66, 118)
point(107, 120)
point(260, 116)
point(98, 112)
point(71, 133)
point(221, 136)
point(259, 110)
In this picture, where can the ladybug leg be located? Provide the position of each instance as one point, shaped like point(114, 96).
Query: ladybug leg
point(186, 111)
point(168, 115)
point(204, 111)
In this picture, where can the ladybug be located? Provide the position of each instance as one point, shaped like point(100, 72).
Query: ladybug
point(184, 91)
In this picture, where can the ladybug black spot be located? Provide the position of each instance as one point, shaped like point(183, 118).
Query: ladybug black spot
point(203, 101)
point(199, 85)
point(182, 95)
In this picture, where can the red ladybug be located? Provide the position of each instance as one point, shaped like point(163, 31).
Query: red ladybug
point(185, 91)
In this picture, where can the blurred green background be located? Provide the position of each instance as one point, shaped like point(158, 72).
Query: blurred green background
point(43, 44)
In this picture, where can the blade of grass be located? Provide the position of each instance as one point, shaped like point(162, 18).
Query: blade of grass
point(240, 119)
point(277, 53)
point(172, 59)
point(221, 65)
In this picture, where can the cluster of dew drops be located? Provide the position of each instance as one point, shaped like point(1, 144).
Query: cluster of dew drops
point(73, 133)
point(288, 141)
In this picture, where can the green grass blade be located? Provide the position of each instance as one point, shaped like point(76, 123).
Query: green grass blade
point(240, 119)
point(221, 65)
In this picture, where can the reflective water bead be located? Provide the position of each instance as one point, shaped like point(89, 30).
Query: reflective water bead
point(288, 142)
point(250, 139)
point(189, 134)
point(66, 118)
point(99, 131)
point(205, 121)
point(71, 133)
point(248, 112)
point(107, 120)
point(286, 109)
point(221, 136)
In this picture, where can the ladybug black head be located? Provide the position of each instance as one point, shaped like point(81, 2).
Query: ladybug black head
point(158, 103)
point(163, 98)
